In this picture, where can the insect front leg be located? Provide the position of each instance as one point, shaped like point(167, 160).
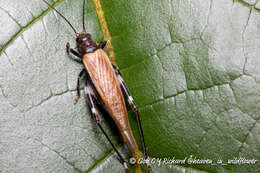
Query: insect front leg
point(130, 99)
point(102, 44)
point(70, 50)
point(92, 101)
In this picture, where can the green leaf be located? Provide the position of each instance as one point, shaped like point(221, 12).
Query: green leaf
point(191, 66)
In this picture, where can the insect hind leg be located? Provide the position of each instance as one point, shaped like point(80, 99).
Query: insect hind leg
point(91, 98)
point(130, 99)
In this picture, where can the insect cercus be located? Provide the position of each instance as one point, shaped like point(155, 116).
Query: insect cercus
point(104, 86)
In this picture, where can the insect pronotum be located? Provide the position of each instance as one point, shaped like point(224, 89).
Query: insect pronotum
point(105, 87)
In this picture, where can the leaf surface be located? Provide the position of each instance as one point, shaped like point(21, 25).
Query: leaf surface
point(191, 66)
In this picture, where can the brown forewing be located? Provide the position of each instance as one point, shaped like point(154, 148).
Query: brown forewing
point(104, 79)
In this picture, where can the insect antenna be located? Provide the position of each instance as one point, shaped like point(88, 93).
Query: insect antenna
point(61, 16)
point(83, 22)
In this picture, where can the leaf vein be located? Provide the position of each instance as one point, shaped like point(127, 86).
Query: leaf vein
point(28, 25)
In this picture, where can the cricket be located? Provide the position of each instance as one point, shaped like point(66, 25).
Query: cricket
point(105, 87)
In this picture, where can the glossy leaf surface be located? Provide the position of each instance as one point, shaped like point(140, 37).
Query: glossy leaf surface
point(192, 67)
